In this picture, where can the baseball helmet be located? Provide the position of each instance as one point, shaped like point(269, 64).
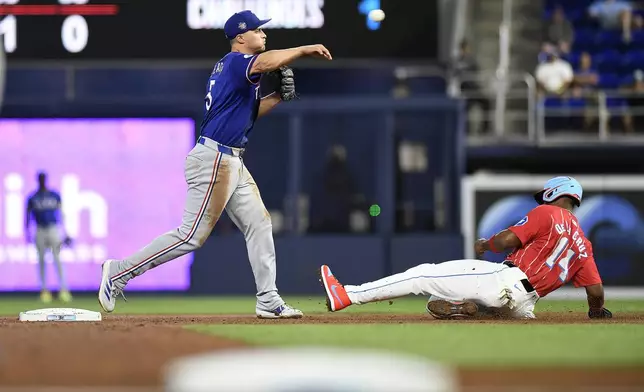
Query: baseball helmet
point(560, 186)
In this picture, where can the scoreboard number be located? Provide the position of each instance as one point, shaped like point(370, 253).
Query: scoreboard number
point(74, 33)
point(9, 33)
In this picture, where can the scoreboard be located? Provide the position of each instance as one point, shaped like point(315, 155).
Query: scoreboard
point(193, 29)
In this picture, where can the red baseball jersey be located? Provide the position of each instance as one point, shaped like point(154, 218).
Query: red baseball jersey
point(554, 250)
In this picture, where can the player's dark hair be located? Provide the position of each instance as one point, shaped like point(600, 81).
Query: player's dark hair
point(573, 201)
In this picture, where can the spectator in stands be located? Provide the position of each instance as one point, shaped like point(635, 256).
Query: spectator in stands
point(546, 49)
point(466, 68)
point(559, 31)
point(613, 15)
point(584, 88)
point(634, 109)
point(586, 76)
point(554, 75)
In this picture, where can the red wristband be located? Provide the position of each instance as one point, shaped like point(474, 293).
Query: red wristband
point(490, 244)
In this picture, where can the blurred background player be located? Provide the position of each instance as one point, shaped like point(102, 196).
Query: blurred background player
point(44, 207)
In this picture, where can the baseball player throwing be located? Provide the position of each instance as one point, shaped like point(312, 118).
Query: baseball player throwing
point(215, 172)
point(44, 207)
point(549, 249)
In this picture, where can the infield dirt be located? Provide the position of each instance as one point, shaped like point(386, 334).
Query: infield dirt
point(132, 351)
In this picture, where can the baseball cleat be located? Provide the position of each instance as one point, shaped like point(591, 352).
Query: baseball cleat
point(107, 292)
point(442, 309)
point(282, 312)
point(336, 296)
point(45, 296)
point(65, 296)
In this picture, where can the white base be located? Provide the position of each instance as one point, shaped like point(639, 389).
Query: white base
point(60, 314)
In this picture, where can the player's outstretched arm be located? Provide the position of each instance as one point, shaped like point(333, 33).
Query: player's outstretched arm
point(499, 242)
point(273, 59)
point(268, 103)
point(595, 296)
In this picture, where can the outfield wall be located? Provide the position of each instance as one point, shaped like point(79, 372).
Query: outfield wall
point(221, 266)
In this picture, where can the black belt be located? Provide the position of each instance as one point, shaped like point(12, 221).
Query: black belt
point(525, 282)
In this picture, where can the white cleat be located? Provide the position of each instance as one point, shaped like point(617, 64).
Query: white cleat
point(107, 292)
point(282, 312)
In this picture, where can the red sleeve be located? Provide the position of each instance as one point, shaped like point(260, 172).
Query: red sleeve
point(242, 64)
point(588, 274)
point(528, 227)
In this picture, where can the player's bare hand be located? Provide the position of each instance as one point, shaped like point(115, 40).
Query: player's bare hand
point(317, 51)
point(479, 246)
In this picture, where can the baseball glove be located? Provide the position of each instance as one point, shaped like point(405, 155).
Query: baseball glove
point(600, 313)
point(67, 241)
point(282, 81)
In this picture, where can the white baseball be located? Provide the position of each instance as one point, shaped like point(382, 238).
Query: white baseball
point(377, 15)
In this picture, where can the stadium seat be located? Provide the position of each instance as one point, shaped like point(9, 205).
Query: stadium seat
point(609, 81)
point(609, 39)
point(576, 103)
point(584, 41)
point(608, 61)
point(553, 102)
point(572, 58)
point(627, 80)
point(615, 102)
point(637, 40)
point(635, 60)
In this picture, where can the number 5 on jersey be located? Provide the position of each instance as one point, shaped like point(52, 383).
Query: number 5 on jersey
point(209, 95)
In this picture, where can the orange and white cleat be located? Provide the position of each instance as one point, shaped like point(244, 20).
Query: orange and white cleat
point(336, 296)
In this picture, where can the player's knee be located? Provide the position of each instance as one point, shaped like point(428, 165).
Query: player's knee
point(264, 226)
point(259, 224)
point(192, 241)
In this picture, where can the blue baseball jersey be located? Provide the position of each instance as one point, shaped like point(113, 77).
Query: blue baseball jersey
point(232, 100)
point(44, 207)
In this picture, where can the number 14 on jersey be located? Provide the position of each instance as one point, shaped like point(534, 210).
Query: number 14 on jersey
point(562, 248)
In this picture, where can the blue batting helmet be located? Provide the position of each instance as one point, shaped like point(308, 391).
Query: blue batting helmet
point(560, 186)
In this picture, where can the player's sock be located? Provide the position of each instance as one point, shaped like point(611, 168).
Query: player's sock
point(61, 273)
point(41, 267)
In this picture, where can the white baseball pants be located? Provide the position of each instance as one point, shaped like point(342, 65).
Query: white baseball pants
point(485, 283)
point(49, 238)
point(215, 181)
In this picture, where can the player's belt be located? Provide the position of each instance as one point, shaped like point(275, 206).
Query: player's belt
point(236, 152)
point(525, 282)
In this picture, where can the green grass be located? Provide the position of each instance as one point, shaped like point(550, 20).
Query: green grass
point(12, 306)
point(463, 344)
point(454, 343)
